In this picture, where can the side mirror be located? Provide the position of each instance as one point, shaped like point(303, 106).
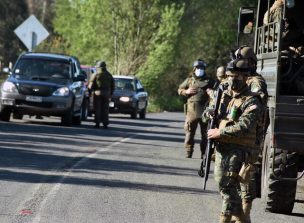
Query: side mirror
point(80, 77)
point(246, 20)
point(84, 74)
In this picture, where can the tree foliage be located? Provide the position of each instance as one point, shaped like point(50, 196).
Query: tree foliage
point(163, 51)
point(157, 40)
point(10, 45)
point(100, 30)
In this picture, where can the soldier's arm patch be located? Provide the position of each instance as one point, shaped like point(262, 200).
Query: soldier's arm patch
point(250, 108)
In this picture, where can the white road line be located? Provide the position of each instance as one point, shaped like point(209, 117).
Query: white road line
point(56, 188)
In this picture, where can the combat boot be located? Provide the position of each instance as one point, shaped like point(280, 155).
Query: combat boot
point(189, 154)
point(238, 218)
point(225, 218)
point(246, 209)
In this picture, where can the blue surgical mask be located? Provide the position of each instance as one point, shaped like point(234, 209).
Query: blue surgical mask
point(199, 72)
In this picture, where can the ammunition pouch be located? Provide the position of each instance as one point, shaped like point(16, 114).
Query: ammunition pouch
point(244, 175)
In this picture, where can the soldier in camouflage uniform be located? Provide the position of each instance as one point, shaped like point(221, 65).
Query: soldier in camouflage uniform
point(275, 12)
point(194, 88)
point(255, 81)
point(221, 74)
point(102, 85)
point(292, 35)
point(256, 84)
point(221, 77)
point(236, 138)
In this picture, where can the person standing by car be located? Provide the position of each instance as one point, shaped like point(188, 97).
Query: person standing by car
point(102, 85)
point(194, 88)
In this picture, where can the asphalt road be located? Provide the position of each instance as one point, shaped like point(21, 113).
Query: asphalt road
point(133, 172)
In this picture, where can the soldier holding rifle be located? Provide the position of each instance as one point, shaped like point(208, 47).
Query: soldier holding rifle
point(235, 139)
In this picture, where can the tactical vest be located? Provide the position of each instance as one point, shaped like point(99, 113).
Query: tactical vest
point(201, 85)
point(233, 114)
point(196, 103)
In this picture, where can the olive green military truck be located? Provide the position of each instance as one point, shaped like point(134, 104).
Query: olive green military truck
point(279, 46)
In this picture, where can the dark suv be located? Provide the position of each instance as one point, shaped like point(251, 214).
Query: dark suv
point(45, 84)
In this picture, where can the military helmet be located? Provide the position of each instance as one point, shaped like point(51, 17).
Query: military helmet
point(238, 65)
point(199, 63)
point(220, 71)
point(246, 52)
point(100, 64)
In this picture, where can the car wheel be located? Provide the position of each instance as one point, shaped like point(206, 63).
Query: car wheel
point(85, 110)
point(5, 115)
point(67, 118)
point(134, 112)
point(17, 116)
point(77, 120)
point(142, 114)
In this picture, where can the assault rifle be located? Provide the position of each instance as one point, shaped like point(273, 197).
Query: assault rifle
point(213, 122)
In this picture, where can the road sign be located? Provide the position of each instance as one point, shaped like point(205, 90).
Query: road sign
point(31, 32)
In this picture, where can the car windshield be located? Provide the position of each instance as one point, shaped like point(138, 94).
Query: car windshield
point(42, 69)
point(124, 84)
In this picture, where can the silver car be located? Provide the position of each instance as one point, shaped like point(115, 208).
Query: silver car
point(47, 85)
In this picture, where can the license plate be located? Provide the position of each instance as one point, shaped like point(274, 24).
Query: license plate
point(33, 98)
point(111, 104)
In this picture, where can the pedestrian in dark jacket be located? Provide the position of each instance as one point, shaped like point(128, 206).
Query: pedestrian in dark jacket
point(102, 86)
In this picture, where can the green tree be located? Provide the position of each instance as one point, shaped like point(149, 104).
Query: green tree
point(158, 40)
point(12, 14)
point(100, 30)
point(162, 54)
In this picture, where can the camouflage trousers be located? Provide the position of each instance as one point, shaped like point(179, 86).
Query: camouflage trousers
point(248, 191)
point(190, 129)
point(228, 162)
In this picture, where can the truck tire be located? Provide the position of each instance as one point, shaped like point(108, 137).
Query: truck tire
point(279, 195)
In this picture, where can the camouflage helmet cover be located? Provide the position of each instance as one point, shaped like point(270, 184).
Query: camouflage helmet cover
point(246, 52)
point(238, 65)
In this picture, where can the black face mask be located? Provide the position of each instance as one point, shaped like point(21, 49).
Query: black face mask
point(236, 85)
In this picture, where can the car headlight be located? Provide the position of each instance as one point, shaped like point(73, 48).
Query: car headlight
point(125, 99)
point(64, 91)
point(9, 87)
